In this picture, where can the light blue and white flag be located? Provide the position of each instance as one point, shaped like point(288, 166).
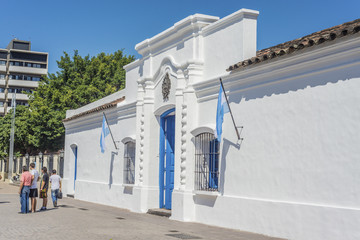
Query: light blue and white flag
point(104, 132)
point(222, 108)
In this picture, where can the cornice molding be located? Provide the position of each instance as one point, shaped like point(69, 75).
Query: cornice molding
point(113, 114)
point(96, 109)
point(131, 138)
point(235, 17)
point(193, 23)
point(193, 64)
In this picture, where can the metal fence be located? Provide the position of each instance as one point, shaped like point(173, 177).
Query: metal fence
point(51, 161)
point(15, 165)
point(61, 167)
point(206, 162)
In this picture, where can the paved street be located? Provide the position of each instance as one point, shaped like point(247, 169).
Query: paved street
point(76, 219)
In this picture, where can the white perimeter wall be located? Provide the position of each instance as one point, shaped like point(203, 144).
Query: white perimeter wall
point(296, 173)
point(99, 175)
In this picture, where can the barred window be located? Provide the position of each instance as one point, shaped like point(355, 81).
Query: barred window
point(129, 163)
point(206, 162)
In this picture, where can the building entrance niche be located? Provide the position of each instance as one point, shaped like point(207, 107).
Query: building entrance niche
point(166, 155)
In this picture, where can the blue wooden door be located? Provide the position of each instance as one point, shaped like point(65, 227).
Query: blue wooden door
point(167, 147)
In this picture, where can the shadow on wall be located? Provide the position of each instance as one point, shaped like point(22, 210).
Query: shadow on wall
point(141, 69)
point(205, 200)
point(111, 168)
point(128, 190)
point(225, 149)
point(293, 85)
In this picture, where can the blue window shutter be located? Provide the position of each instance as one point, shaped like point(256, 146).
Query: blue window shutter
point(213, 164)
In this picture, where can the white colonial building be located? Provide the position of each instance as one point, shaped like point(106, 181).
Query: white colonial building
point(293, 174)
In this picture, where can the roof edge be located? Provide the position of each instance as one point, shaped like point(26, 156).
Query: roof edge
point(96, 109)
point(314, 39)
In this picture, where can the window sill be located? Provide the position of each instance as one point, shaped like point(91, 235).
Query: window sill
point(207, 193)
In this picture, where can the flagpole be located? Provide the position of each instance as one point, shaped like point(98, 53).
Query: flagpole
point(232, 117)
point(110, 130)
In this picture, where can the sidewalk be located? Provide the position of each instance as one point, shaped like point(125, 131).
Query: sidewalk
point(76, 219)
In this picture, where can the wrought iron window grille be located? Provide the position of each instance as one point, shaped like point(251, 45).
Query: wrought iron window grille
point(206, 162)
point(129, 163)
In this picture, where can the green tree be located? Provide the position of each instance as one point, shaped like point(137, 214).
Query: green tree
point(23, 132)
point(79, 81)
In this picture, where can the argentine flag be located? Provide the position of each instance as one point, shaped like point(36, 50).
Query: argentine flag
point(222, 108)
point(104, 132)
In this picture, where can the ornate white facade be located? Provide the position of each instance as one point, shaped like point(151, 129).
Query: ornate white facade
point(294, 174)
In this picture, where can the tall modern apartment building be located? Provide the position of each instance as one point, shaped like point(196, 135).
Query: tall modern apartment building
point(20, 72)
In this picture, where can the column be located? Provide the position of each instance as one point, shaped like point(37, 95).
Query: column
point(183, 203)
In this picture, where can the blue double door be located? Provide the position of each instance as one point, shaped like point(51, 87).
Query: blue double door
point(167, 148)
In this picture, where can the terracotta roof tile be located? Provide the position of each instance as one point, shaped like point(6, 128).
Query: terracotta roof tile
point(313, 39)
point(97, 109)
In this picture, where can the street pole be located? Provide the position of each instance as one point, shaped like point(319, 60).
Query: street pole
point(12, 136)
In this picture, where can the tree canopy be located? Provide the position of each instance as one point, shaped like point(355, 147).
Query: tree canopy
point(79, 81)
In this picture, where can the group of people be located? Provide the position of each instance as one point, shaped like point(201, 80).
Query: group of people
point(28, 188)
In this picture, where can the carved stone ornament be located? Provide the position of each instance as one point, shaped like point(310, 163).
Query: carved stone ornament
point(166, 85)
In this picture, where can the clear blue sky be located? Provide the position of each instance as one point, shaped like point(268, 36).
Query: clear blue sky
point(108, 25)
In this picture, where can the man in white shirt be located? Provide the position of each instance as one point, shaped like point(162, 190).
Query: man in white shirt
point(33, 188)
point(55, 181)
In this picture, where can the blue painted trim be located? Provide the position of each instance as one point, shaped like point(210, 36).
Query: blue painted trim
point(161, 162)
point(161, 157)
point(75, 153)
point(170, 144)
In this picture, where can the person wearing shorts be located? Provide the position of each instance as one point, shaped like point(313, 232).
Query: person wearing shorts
point(44, 185)
point(33, 188)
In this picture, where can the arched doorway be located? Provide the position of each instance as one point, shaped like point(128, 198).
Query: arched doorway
point(74, 149)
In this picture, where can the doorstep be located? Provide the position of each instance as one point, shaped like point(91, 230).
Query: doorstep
point(160, 212)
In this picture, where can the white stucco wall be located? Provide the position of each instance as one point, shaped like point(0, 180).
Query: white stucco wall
point(229, 40)
point(294, 174)
point(100, 175)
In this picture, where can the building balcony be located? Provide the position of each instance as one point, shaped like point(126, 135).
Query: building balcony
point(3, 68)
point(22, 83)
point(19, 96)
point(28, 70)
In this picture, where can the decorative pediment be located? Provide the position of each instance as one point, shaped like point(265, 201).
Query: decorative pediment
point(166, 86)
